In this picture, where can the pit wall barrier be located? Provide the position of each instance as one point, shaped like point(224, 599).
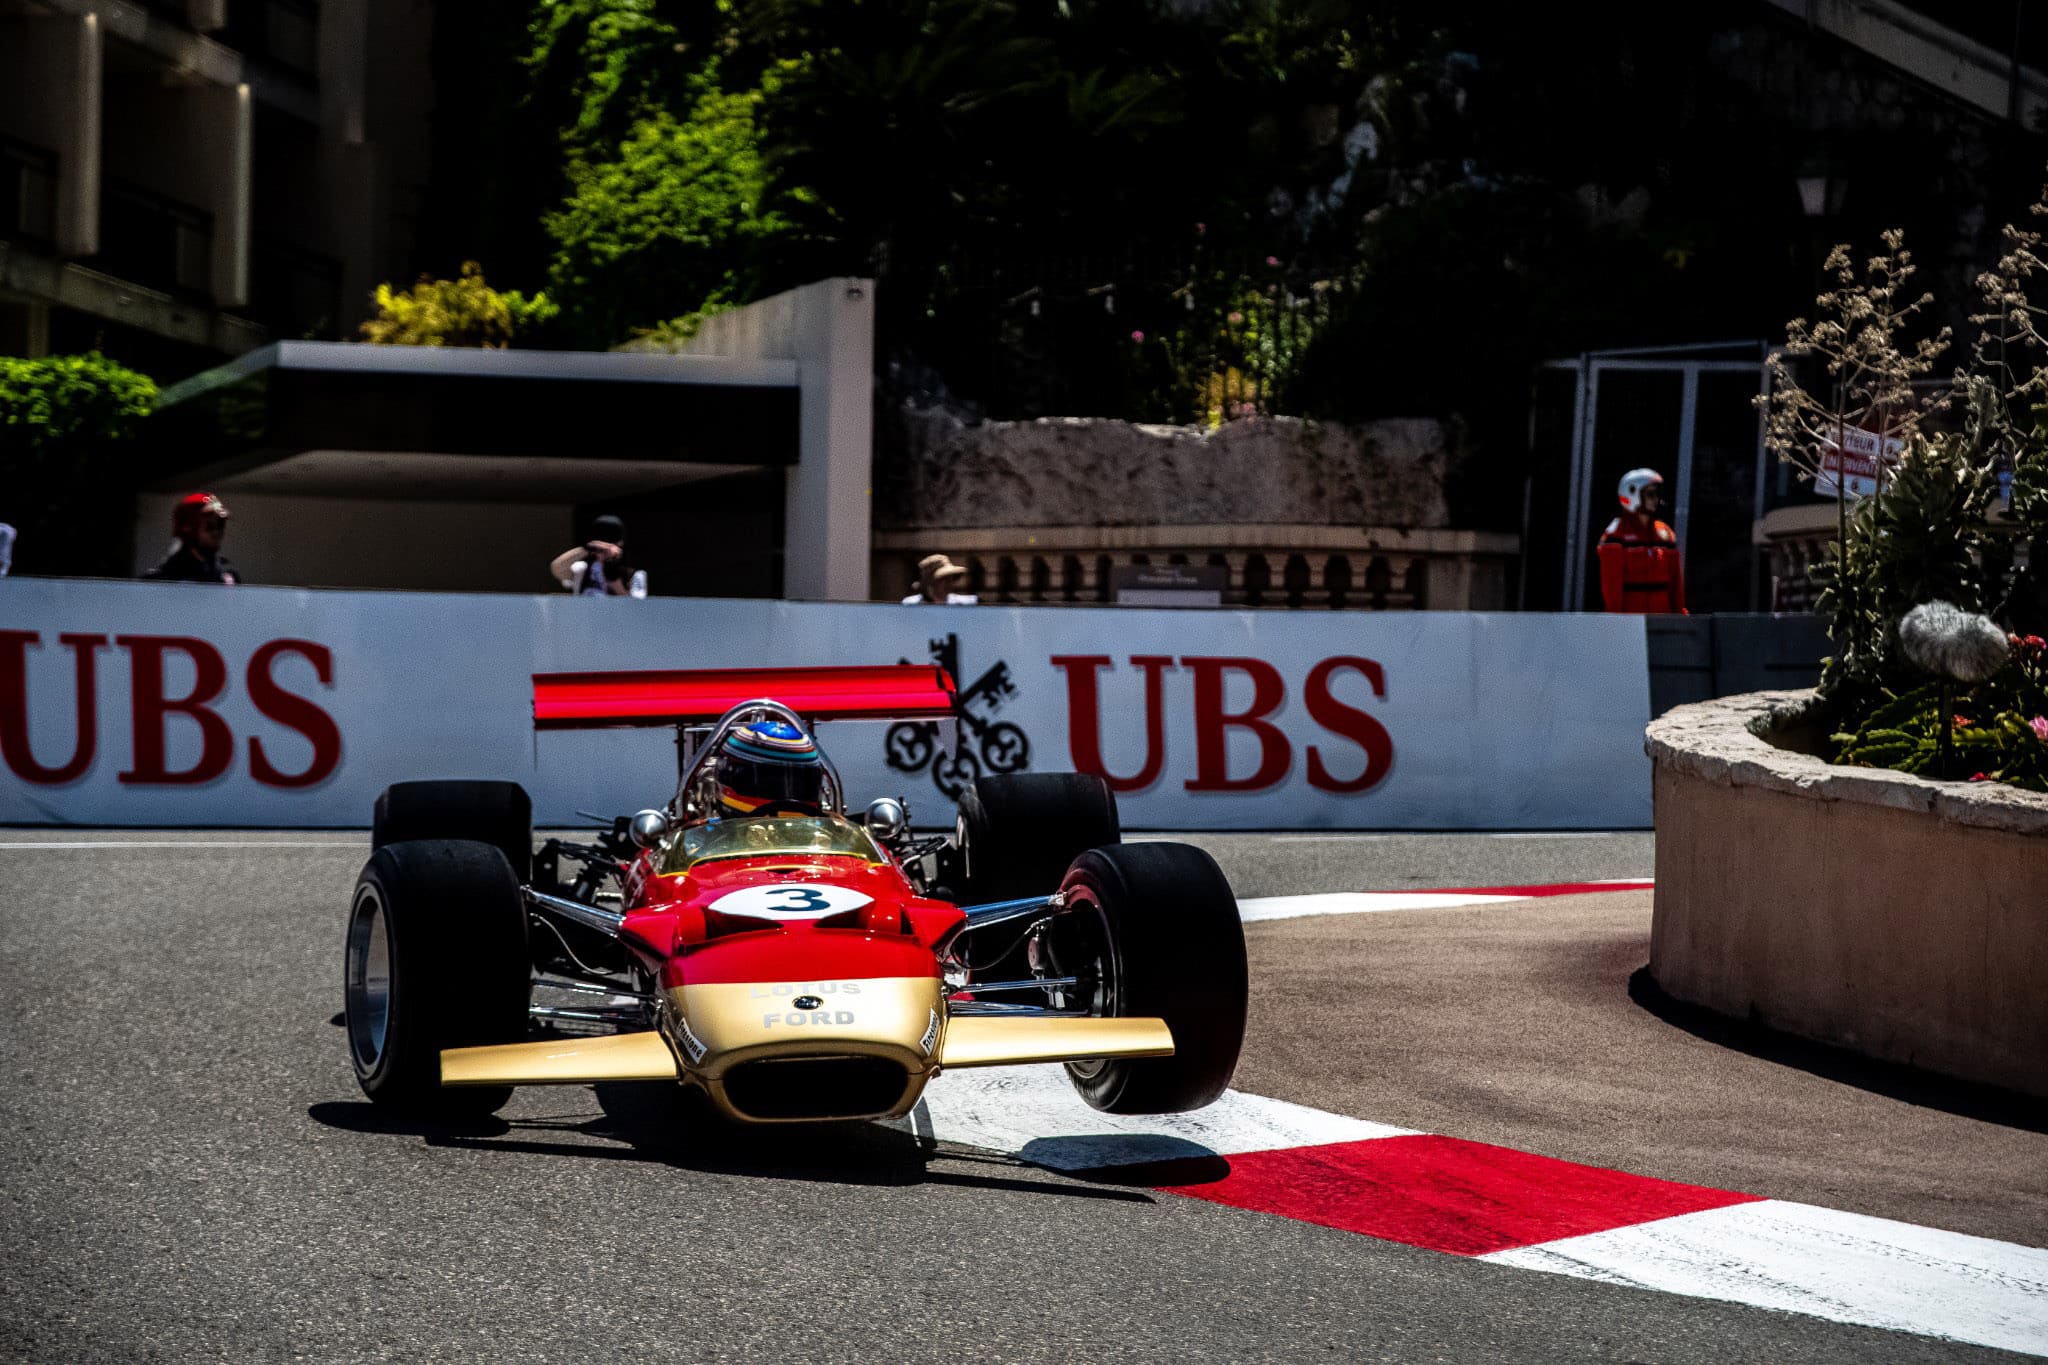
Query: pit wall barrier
point(145, 704)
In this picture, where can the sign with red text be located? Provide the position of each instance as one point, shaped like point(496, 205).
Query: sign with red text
point(1857, 465)
point(147, 704)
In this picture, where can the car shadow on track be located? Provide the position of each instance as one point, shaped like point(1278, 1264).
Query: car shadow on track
point(1893, 1080)
point(668, 1125)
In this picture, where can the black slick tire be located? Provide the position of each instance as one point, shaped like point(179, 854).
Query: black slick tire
point(494, 813)
point(1019, 832)
point(1171, 928)
point(435, 958)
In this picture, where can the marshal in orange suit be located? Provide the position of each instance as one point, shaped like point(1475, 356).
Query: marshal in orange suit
point(1640, 570)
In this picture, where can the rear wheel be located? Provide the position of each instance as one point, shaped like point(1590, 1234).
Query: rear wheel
point(494, 813)
point(1153, 929)
point(1019, 832)
point(435, 958)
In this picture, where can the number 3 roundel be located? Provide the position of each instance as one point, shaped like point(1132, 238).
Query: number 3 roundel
point(790, 901)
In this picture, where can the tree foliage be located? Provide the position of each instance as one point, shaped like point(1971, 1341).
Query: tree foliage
point(67, 424)
point(464, 311)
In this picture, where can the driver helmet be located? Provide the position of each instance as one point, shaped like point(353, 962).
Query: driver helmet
point(769, 767)
point(1635, 484)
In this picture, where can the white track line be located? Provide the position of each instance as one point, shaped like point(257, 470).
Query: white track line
point(1359, 903)
point(1843, 1266)
point(1034, 1112)
point(1795, 1258)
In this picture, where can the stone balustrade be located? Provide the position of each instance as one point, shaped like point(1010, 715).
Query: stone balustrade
point(1316, 568)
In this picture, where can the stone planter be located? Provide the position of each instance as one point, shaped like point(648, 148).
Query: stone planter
point(1894, 916)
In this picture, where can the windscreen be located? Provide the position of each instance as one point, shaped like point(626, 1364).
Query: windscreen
point(768, 836)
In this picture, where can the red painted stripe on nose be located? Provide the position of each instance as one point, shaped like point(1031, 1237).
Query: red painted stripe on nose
point(1446, 1194)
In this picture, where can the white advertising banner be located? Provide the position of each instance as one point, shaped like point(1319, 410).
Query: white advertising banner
point(147, 704)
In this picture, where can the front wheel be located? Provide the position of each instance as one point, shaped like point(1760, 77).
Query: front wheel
point(1153, 929)
point(435, 958)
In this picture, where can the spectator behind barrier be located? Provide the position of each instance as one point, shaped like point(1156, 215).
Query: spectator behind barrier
point(200, 523)
point(937, 576)
point(597, 567)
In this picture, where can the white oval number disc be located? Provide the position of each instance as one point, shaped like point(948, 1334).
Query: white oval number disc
point(790, 900)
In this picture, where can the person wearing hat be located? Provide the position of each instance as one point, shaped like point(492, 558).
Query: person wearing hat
point(200, 522)
point(597, 567)
point(937, 576)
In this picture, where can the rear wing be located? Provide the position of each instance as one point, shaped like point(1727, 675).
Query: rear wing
point(590, 701)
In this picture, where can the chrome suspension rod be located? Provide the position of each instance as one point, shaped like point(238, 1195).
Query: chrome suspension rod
point(576, 912)
point(985, 987)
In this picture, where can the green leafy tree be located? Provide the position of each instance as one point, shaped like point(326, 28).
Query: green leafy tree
point(671, 220)
point(67, 428)
point(464, 311)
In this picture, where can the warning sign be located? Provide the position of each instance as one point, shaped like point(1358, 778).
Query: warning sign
point(1854, 464)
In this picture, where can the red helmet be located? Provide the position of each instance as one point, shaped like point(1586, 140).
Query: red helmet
point(194, 508)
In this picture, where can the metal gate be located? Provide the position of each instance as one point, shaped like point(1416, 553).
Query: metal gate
point(1686, 411)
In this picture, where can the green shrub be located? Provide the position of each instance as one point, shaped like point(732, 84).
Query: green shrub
point(459, 312)
point(65, 425)
point(2000, 727)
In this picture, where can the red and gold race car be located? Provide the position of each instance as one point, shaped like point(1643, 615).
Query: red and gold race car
point(753, 939)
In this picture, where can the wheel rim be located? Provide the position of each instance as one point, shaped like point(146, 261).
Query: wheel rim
point(1079, 945)
point(368, 993)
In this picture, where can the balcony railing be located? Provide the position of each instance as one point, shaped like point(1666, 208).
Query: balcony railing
point(28, 194)
point(284, 33)
point(155, 241)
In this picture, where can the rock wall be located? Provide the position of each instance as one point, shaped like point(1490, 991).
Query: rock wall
point(1085, 471)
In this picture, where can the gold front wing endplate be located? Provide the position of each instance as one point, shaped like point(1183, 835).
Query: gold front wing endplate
point(571, 1061)
point(995, 1040)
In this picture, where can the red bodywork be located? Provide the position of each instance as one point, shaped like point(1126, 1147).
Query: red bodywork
point(671, 928)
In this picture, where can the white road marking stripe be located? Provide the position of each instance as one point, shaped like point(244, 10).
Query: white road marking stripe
point(1432, 834)
point(1795, 1258)
point(1358, 903)
point(1846, 1267)
point(192, 843)
point(1034, 1112)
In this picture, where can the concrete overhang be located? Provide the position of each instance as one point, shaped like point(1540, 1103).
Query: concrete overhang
point(338, 419)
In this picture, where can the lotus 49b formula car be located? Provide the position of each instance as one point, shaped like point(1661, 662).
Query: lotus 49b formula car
point(795, 967)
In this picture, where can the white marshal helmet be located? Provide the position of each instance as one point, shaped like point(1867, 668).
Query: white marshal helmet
point(1633, 485)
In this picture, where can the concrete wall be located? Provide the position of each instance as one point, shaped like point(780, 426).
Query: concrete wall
point(1718, 654)
point(1900, 918)
point(828, 328)
point(374, 543)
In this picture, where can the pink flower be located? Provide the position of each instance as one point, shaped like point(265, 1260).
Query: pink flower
point(2039, 725)
point(1236, 318)
point(1201, 228)
point(1137, 336)
point(1961, 722)
point(1272, 260)
point(1979, 777)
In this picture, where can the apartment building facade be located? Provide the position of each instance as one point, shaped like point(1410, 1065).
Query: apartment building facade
point(184, 180)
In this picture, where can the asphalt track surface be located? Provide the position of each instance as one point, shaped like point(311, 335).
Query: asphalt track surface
point(190, 1173)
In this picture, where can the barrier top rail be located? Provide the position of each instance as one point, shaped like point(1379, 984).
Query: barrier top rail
point(584, 701)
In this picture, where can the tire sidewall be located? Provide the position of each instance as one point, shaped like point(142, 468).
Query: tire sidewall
point(1176, 946)
point(460, 973)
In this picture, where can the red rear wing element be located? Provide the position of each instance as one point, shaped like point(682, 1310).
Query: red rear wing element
point(588, 701)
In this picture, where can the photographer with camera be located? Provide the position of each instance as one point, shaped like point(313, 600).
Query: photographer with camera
point(598, 568)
